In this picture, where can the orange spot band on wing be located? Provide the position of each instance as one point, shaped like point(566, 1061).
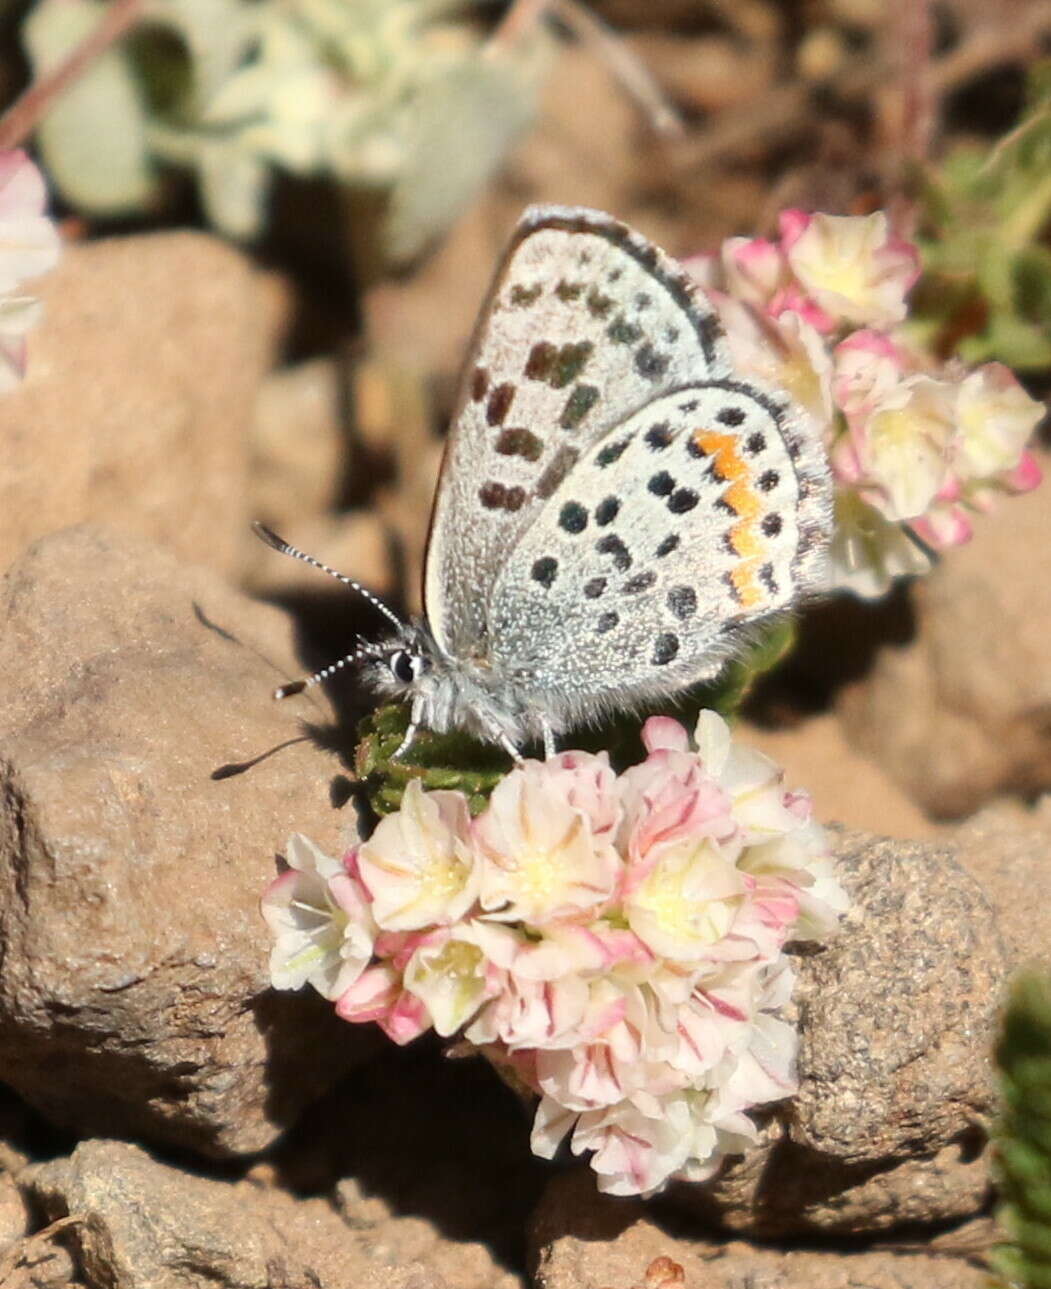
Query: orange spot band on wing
point(743, 579)
point(743, 501)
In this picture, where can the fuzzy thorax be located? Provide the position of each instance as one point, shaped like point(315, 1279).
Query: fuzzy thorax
point(447, 693)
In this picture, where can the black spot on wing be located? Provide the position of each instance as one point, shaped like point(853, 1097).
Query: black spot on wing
point(606, 511)
point(523, 296)
point(640, 582)
point(544, 571)
point(598, 304)
point(499, 404)
point(611, 452)
point(682, 500)
point(665, 648)
point(581, 400)
point(557, 365)
point(649, 363)
point(682, 600)
point(573, 517)
point(497, 496)
point(659, 436)
point(613, 546)
point(623, 332)
point(519, 442)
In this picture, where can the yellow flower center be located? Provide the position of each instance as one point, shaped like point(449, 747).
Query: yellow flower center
point(460, 959)
point(538, 876)
point(444, 877)
point(679, 915)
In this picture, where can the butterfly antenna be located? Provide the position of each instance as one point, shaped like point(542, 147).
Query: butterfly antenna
point(920, 544)
point(308, 682)
point(286, 548)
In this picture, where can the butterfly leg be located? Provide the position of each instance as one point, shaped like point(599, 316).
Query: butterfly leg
point(549, 738)
point(414, 724)
point(509, 748)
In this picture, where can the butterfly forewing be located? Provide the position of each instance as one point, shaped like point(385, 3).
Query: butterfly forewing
point(699, 515)
point(586, 323)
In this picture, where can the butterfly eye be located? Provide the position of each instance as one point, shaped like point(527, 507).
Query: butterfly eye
point(405, 667)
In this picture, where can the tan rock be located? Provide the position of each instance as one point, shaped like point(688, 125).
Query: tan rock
point(900, 1008)
point(847, 787)
point(139, 396)
point(298, 443)
point(896, 1020)
point(583, 1240)
point(960, 715)
point(134, 998)
point(147, 1223)
point(14, 1220)
point(705, 73)
point(41, 1260)
point(1006, 848)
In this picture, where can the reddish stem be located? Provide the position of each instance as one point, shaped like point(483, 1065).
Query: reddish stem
point(23, 116)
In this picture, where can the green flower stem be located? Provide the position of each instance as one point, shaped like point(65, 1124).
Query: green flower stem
point(1029, 218)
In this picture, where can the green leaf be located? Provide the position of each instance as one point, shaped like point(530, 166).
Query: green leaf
point(454, 761)
point(1023, 1135)
point(1008, 339)
point(234, 185)
point(93, 139)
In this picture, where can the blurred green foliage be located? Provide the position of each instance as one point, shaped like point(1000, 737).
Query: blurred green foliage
point(460, 762)
point(1023, 1136)
point(986, 288)
point(397, 97)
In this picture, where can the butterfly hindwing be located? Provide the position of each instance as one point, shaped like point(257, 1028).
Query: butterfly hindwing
point(585, 323)
point(701, 514)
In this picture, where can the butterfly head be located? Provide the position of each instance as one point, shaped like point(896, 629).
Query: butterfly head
point(402, 665)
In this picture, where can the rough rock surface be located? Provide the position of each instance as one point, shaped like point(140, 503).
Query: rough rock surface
point(896, 1018)
point(963, 713)
point(139, 394)
point(133, 996)
point(583, 1240)
point(14, 1220)
point(143, 1222)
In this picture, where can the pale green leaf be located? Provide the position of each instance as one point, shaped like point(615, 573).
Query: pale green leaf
point(93, 140)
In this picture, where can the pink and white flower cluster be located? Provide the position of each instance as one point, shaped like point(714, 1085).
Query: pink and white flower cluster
point(912, 444)
point(29, 246)
point(615, 942)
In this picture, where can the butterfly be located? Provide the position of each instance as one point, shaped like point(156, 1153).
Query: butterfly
point(617, 510)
